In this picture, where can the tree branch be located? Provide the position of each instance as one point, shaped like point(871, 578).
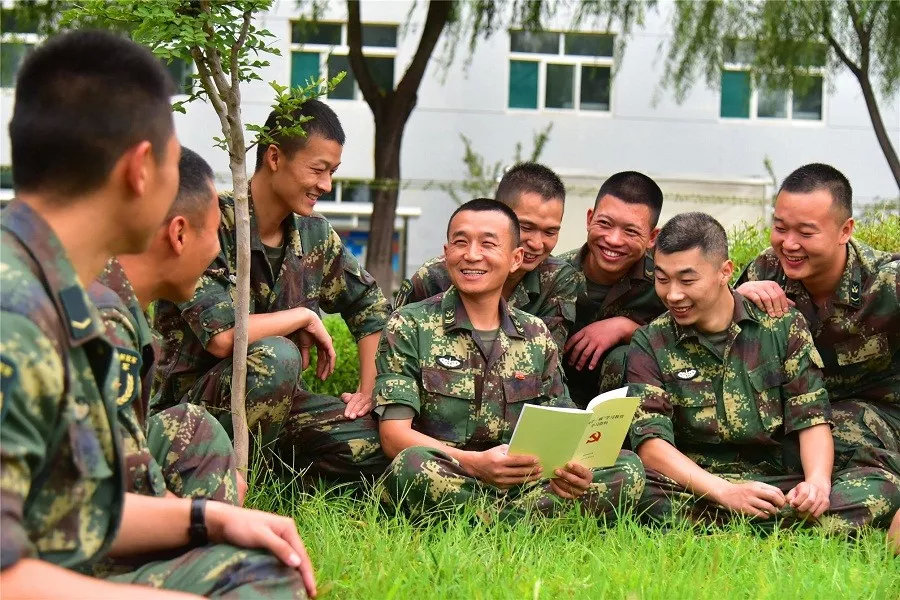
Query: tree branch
point(862, 34)
point(364, 79)
point(826, 32)
point(212, 56)
point(236, 50)
point(211, 91)
point(435, 21)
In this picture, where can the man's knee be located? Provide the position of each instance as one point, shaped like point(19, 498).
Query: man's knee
point(274, 357)
point(627, 474)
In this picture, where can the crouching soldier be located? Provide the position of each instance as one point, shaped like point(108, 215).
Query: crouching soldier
point(453, 374)
point(734, 416)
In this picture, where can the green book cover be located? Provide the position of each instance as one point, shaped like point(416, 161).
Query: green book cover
point(591, 437)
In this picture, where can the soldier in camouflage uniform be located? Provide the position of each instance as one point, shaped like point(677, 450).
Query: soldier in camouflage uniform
point(544, 286)
point(61, 484)
point(734, 417)
point(298, 266)
point(618, 296)
point(850, 295)
point(182, 449)
point(453, 376)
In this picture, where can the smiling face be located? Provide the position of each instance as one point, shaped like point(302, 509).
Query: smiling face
point(299, 180)
point(480, 252)
point(618, 235)
point(693, 288)
point(539, 223)
point(808, 235)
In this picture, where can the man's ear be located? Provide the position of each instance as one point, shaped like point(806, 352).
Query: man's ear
point(727, 271)
point(137, 163)
point(517, 258)
point(653, 235)
point(177, 228)
point(846, 231)
point(590, 217)
point(272, 157)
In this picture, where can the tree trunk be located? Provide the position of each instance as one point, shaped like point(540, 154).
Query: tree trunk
point(241, 313)
point(878, 125)
point(388, 137)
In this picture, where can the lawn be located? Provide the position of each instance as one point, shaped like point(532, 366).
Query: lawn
point(361, 551)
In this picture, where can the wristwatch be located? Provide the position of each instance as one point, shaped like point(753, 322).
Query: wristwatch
point(197, 532)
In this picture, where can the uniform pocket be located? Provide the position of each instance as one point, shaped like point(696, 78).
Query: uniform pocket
point(518, 392)
point(446, 411)
point(766, 380)
point(694, 407)
point(861, 349)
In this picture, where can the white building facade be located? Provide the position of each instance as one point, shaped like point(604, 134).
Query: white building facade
point(607, 109)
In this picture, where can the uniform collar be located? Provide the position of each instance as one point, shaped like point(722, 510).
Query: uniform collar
point(530, 286)
point(56, 270)
point(455, 318)
point(849, 287)
point(742, 312)
point(291, 230)
point(114, 278)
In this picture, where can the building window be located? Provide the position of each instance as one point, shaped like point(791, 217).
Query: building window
point(19, 37)
point(744, 98)
point(181, 72)
point(320, 49)
point(560, 70)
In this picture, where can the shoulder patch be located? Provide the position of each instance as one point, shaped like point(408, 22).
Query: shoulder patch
point(8, 376)
point(129, 376)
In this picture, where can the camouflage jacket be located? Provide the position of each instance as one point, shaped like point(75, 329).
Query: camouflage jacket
point(730, 413)
point(428, 360)
point(317, 272)
point(60, 474)
point(548, 292)
point(633, 296)
point(858, 331)
point(128, 330)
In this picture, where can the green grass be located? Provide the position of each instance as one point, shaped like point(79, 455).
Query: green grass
point(359, 551)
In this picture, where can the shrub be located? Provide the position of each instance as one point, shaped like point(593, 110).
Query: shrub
point(346, 372)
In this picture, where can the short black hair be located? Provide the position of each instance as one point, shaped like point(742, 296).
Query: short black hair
point(83, 98)
point(693, 230)
point(529, 177)
point(632, 187)
point(819, 176)
point(489, 205)
point(323, 122)
point(194, 178)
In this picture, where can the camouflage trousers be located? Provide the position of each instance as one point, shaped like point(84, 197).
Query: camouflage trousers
point(866, 431)
point(584, 385)
point(860, 496)
point(220, 571)
point(422, 479)
point(307, 431)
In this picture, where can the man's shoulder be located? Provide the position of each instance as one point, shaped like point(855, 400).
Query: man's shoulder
point(531, 327)
point(765, 266)
point(423, 310)
point(555, 268)
point(659, 332)
point(314, 229)
point(571, 257)
point(22, 292)
point(881, 269)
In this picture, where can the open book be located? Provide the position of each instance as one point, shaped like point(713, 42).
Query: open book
point(592, 437)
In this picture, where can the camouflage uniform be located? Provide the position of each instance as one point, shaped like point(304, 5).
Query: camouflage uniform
point(182, 449)
point(737, 415)
point(471, 398)
point(548, 292)
point(858, 337)
point(61, 483)
point(633, 296)
point(317, 272)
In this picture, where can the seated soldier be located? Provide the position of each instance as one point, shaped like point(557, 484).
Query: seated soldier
point(734, 417)
point(298, 266)
point(544, 286)
point(453, 374)
point(618, 296)
point(86, 190)
point(850, 295)
point(182, 449)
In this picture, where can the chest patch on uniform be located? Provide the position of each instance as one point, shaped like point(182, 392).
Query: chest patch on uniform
point(451, 362)
point(129, 376)
point(687, 374)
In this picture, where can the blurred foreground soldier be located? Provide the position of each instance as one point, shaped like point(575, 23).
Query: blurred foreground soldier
point(618, 297)
point(734, 417)
point(183, 449)
point(95, 162)
point(850, 295)
point(543, 286)
point(298, 266)
point(454, 372)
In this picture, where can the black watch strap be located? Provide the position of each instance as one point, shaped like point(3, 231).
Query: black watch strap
point(197, 532)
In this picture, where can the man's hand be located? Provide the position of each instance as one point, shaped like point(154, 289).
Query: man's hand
point(767, 296)
point(358, 403)
point(572, 481)
point(503, 470)
point(314, 333)
point(257, 529)
point(753, 498)
point(810, 498)
point(588, 344)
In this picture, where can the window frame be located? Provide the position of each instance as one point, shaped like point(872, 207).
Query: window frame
point(560, 58)
point(341, 49)
point(754, 118)
point(32, 39)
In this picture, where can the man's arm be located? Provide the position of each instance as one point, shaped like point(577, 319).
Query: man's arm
point(587, 345)
point(360, 402)
point(811, 497)
point(558, 308)
point(283, 322)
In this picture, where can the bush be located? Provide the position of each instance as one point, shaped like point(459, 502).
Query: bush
point(346, 372)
